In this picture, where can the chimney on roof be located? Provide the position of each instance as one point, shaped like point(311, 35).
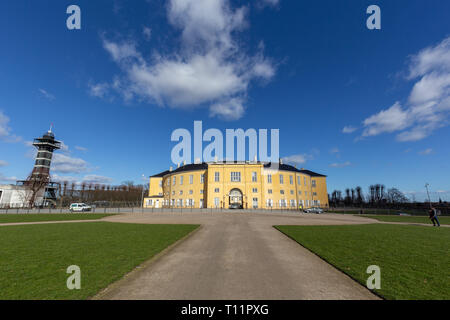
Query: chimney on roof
point(197, 160)
point(170, 169)
point(255, 159)
point(178, 165)
point(281, 161)
point(302, 169)
point(184, 162)
point(215, 159)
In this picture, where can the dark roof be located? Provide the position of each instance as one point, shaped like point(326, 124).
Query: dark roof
point(204, 166)
point(191, 167)
point(188, 167)
point(160, 175)
point(288, 167)
point(311, 173)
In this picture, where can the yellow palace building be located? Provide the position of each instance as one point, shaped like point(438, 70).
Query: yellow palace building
point(238, 184)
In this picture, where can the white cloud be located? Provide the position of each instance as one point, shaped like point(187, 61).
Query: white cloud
point(270, 2)
point(69, 179)
point(210, 68)
point(431, 59)
point(121, 52)
point(3, 163)
point(426, 151)
point(349, 129)
point(96, 179)
point(5, 130)
point(47, 95)
point(428, 105)
point(99, 90)
point(232, 109)
point(147, 32)
point(298, 158)
point(66, 164)
point(7, 179)
point(341, 165)
point(81, 148)
point(389, 120)
point(334, 150)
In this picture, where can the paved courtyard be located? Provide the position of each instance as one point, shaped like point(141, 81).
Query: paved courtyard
point(237, 256)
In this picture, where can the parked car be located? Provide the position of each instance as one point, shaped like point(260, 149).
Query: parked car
point(79, 207)
point(314, 210)
point(235, 206)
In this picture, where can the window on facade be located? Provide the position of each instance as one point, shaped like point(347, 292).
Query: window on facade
point(314, 193)
point(235, 177)
point(216, 176)
point(160, 183)
point(201, 191)
point(283, 203)
point(255, 203)
point(304, 181)
point(269, 203)
point(281, 191)
point(173, 193)
point(313, 183)
point(293, 203)
point(174, 180)
point(269, 178)
point(306, 193)
point(291, 180)
point(216, 202)
point(292, 191)
point(202, 178)
point(255, 190)
point(254, 177)
point(191, 179)
point(281, 179)
point(181, 192)
point(191, 192)
point(299, 192)
point(269, 191)
point(181, 179)
point(299, 181)
point(216, 190)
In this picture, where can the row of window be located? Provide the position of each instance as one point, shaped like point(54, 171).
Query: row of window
point(217, 203)
point(181, 192)
point(236, 177)
point(40, 162)
point(191, 180)
point(254, 190)
point(44, 155)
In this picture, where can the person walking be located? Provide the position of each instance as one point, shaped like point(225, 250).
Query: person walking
point(433, 217)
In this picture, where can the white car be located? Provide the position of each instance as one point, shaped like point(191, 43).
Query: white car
point(314, 210)
point(79, 207)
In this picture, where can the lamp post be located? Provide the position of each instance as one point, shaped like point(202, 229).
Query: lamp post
point(428, 193)
point(142, 195)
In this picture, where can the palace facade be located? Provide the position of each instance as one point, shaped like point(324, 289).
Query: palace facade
point(245, 185)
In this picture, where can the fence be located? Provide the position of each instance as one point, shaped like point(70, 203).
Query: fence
point(444, 211)
point(118, 210)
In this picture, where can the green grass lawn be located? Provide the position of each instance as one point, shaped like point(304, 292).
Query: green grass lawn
point(38, 217)
point(411, 219)
point(34, 258)
point(414, 260)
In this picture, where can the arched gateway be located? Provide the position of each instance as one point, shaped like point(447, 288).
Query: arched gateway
point(236, 199)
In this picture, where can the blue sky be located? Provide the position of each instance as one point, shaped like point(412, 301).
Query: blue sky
point(361, 106)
